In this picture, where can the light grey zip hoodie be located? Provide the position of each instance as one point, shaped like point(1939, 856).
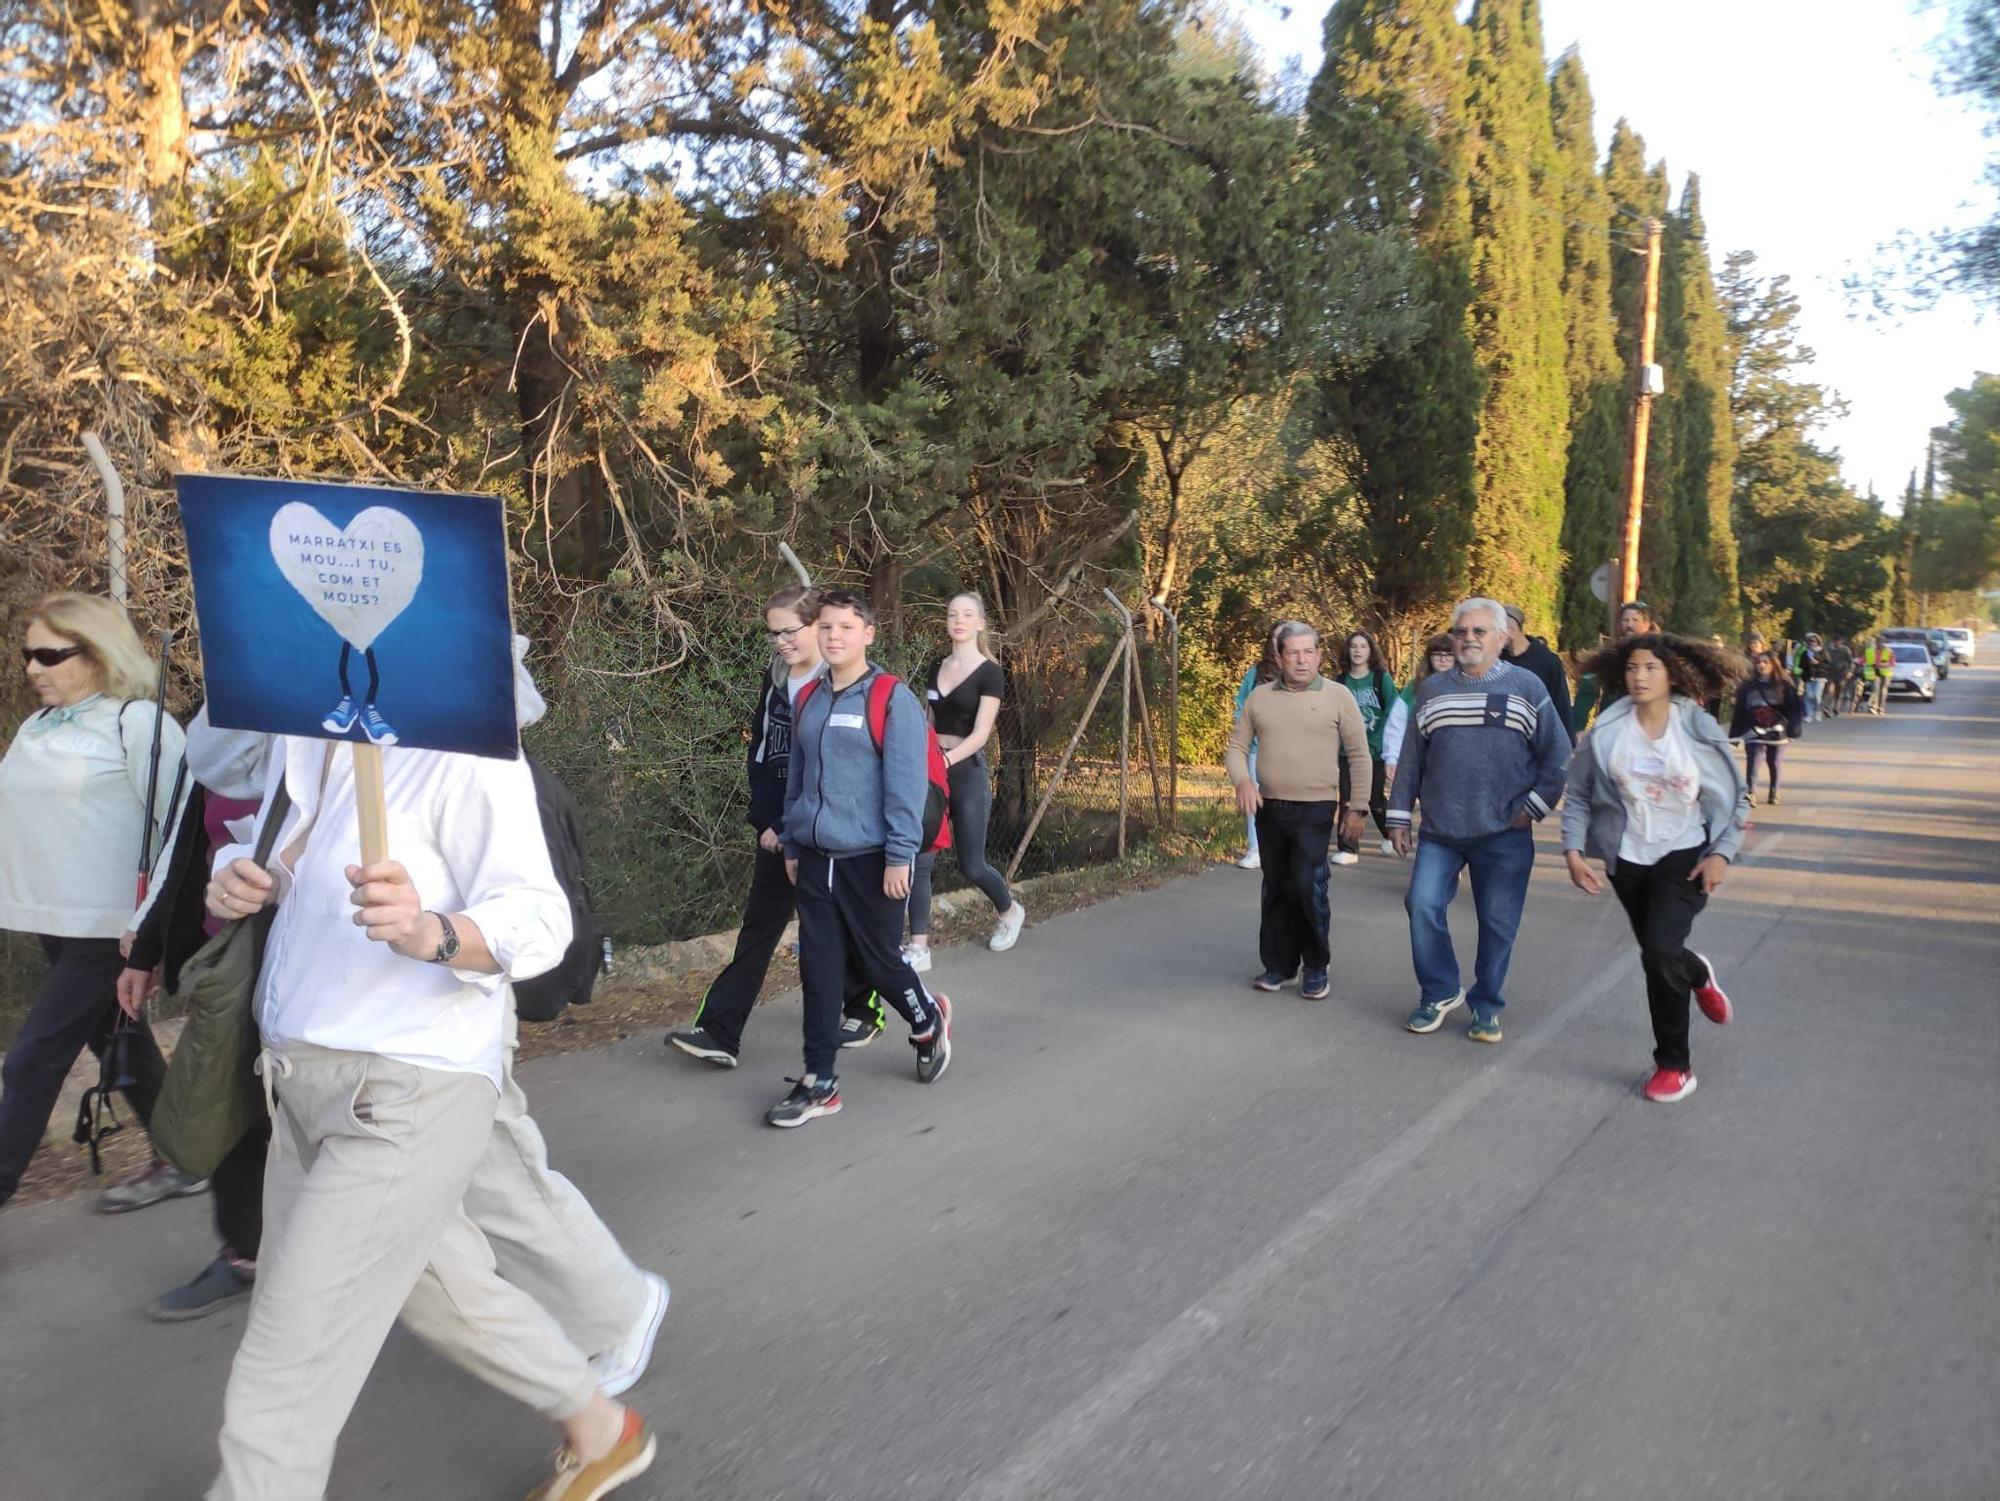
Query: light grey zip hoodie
point(1593, 815)
point(842, 796)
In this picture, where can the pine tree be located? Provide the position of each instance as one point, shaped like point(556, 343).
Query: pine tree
point(1518, 318)
point(1387, 118)
point(1594, 474)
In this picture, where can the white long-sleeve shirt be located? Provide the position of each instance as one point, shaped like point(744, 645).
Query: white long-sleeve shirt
point(467, 830)
point(72, 808)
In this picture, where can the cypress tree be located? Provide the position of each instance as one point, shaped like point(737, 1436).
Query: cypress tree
point(1386, 118)
point(1698, 430)
point(1518, 314)
point(1594, 472)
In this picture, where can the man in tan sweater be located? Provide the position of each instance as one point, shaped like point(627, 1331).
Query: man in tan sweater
point(1301, 723)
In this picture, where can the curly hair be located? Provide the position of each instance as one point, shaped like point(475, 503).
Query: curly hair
point(1698, 670)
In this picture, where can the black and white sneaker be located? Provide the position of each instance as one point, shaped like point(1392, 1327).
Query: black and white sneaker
point(859, 1031)
point(696, 1043)
point(805, 1102)
point(934, 1050)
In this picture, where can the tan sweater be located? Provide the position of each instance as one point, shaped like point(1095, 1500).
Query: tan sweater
point(1300, 735)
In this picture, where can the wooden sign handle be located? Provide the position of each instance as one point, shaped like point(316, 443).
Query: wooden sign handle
point(369, 803)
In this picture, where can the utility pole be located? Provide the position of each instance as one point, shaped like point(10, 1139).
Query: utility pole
point(1646, 384)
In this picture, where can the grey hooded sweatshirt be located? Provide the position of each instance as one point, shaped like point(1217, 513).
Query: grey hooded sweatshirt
point(842, 796)
point(1593, 818)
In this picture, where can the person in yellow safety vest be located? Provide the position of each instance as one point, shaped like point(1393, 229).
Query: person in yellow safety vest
point(1882, 667)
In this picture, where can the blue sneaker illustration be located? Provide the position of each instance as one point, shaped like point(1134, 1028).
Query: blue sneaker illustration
point(342, 719)
point(376, 728)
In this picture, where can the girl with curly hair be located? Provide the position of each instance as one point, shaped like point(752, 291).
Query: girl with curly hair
point(1654, 793)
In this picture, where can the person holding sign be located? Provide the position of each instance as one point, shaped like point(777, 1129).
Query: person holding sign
point(852, 829)
point(72, 812)
point(382, 1013)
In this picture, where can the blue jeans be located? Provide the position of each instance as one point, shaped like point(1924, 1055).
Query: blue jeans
point(1500, 865)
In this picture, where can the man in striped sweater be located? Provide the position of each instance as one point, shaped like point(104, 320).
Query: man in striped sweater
point(1484, 753)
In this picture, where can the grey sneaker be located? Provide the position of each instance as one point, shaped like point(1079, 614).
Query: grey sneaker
point(222, 1282)
point(1429, 1015)
point(161, 1180)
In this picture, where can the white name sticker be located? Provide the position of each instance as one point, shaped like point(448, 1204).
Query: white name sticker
point(933, 694)
point(846, 722)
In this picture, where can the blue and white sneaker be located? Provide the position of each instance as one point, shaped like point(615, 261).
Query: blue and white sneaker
point(376, 728)
point(343, 716)
point(1429, 1015)
point(1314, 985)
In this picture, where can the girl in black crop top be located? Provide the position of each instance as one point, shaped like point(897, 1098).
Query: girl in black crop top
point(964, 718)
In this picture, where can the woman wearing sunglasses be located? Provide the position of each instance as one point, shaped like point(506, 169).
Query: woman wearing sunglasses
point(72, 811)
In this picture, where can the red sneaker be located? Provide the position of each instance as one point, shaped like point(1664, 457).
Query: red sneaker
point(1669, 1086)
point(1710, 997)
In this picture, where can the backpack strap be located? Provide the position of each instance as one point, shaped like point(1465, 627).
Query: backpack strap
point(799, 703)
point(880, 689)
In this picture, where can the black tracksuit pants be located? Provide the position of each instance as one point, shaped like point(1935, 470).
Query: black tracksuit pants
point(767, 911)
point(1292, 839)
point(848, 927)
point(1662, 904)
point(76, 1007)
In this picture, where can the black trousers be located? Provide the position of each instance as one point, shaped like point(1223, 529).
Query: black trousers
point(237, 1186)
point(849, 931)
point(76, 1007)
point(1378, 800)
point(1662, 904)
point(767, 911)
point(1293, 839)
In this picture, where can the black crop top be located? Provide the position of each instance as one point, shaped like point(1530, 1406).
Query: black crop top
point(953, 713)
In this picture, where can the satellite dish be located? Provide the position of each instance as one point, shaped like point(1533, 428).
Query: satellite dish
point(1600, 583)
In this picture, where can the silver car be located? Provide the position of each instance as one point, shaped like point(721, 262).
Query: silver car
point(1914, 671)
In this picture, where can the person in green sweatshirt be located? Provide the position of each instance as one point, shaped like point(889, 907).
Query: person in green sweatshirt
point(1367, 677)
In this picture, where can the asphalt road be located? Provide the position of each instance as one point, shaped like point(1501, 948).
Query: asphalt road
point(1156, 1236)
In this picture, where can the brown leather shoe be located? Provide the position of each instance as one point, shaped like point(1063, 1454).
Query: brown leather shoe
point(574, 1480)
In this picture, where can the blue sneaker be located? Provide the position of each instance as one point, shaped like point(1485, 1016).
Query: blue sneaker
point(342, 719)
point(376, 728)
point(1429, 1015)
point(1485, 1027)
point(1314, 985)
point(1269, 981)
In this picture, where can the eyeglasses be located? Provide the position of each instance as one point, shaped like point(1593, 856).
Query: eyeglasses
point(51, 656)
point(779, 638)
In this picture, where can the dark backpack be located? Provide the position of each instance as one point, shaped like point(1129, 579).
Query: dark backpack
point(569, 983)
point(937, 791)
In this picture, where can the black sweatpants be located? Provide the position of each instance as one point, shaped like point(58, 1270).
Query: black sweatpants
point(1662, 904)
point(1292, 839)
point(849, 929)
point(77, 1006)
point(1378, 800)
point(767, 911)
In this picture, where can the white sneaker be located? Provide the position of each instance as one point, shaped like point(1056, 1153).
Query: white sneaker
point(919, 958)
point(618, 1370)
point(1008, 929)
point(1249, 862)
point(1388, 846)
point(1346, 857)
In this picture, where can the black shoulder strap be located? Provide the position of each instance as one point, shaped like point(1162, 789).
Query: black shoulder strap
point(274, 820)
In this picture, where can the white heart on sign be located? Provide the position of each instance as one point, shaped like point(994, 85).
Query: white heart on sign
point(357, 578)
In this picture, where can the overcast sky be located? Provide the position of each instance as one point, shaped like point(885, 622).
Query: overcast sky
point(1818, 135)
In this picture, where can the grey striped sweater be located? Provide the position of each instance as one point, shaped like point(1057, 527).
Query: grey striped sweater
point(1477, 753)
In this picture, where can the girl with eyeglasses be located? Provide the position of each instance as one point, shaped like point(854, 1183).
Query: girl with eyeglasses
point(72, 813)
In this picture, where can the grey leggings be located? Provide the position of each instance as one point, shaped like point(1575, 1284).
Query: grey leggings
point(971, 807)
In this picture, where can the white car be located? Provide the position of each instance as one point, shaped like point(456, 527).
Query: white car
point(1963, 643)
point(1914, 671)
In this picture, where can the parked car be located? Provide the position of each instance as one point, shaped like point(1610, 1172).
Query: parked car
point(1963, 643)
point(1914, 671)
point(1940, 651)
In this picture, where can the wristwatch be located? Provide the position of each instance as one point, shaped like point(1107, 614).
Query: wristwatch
point(448, 944)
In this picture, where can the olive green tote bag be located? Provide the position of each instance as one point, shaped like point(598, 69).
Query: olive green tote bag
point(211, 1094)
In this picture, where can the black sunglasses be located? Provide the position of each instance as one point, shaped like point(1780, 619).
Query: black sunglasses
point(51, 656)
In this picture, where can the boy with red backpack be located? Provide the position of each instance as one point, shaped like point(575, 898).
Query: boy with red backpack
point(862, 800)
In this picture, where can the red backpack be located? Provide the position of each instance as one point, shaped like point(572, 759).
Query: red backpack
point(937, 792)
